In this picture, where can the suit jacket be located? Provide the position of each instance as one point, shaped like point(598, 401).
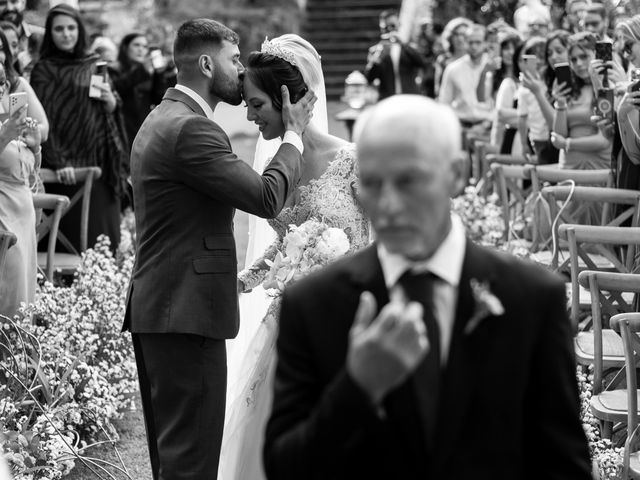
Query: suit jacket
point(408, 65)
point(509, 406)
point(187, 184)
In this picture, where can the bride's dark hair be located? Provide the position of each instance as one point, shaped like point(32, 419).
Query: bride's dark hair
point(269, 73)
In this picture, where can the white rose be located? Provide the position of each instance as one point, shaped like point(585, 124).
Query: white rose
point(336, 240)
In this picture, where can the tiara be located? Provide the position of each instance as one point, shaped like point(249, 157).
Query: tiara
point(271, 48)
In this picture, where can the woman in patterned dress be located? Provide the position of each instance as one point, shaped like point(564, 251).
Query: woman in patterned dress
point(84, 131)
point(326, 193)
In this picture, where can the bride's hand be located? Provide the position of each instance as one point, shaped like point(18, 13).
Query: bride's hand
point(296, 116)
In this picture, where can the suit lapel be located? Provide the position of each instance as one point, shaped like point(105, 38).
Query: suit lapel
point(460, 378)
point(366, 274)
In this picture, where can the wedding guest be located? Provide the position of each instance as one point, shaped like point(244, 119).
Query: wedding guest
point(389, 360)
point(626, 150)
point(582, 146)
point(19, 162)
point(138, 83)
point(17, 83)
point(11, 32)
point(392, 64)
point(543, 84)
point(454, 43)
point(13, 11)
point(84, 130)
point(461, 77)
point(532, 125)
point(504, 128)
point(596, 21)
point(531, 10)
point(575, 11)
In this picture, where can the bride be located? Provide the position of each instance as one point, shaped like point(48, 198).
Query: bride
point(325, 192)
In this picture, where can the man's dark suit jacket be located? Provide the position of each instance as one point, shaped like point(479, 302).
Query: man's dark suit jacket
point(187, 184)
point(509, 405)
point(408, 66)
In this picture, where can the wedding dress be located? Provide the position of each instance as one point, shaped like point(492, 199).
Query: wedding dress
point(330, 199)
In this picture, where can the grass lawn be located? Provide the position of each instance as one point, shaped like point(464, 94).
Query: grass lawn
point(132, 446)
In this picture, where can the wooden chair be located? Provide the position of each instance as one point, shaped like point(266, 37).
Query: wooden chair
point(628, 324)
point(579, 199)
point(7, 240)
point(486, 159)
point(66, 263)
point(513, 187)
point(52, 207)
point(608, 404)
point(598, 248)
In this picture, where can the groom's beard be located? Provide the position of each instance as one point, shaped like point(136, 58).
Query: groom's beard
point(229, 90)
point(12, 16)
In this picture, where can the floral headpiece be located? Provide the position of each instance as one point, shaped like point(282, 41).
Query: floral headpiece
point(271, 48)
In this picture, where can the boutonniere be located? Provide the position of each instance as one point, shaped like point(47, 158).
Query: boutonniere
point(486, 304)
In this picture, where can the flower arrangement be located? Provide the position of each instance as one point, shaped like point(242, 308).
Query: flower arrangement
point(305, 249)
point(66, 370)
point(481, 216)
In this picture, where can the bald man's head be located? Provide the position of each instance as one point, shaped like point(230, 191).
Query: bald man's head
point(409, 157)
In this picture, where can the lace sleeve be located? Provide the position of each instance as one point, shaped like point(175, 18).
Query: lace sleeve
point(254, 275)
point(335, 198)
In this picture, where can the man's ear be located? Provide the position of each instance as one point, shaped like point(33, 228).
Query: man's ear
point(206, 66)
point(460, 167)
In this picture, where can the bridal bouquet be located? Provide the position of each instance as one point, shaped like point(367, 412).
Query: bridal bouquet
point(305, 249)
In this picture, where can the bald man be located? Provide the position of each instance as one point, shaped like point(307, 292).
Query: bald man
point(423, 356)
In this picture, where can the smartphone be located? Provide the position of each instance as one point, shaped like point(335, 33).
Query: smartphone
point(635, 86)
point(604, 51)
point(531, 63)
point(98, 79)
point(604, 103)
point(563, 73)
point(157, 59)
point(16, 101)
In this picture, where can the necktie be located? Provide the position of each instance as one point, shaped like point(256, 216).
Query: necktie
point(418, 287)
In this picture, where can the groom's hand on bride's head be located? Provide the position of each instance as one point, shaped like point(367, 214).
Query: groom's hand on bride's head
point(296, 116)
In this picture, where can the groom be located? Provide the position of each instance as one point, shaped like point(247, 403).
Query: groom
point(182, 301)
point(423, 356)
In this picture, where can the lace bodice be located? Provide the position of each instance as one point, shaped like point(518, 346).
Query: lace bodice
point(330, 198)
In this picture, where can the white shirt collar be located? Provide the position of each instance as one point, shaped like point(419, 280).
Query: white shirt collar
point(446, 262)
point(198, 99)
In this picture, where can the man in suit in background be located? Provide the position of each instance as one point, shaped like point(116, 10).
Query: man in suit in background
point(423, 355)
point(182, 301)
point(391, 64)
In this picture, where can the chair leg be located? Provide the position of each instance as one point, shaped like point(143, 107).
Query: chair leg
point(606, 429)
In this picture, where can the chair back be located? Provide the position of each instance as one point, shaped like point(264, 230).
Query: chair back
point(84, 176)
point(52, 207)
point(568, 203)
point(7, 240)
point(552, 174)
point(599, 249)
point(606, 289)
point(512, 188)
point(628, 325)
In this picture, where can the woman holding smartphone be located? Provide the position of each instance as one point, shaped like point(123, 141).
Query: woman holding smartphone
point(85, 130)
point(582, 145)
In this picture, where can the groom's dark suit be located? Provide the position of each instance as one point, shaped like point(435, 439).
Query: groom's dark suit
point(508, 406)
point(182, 302)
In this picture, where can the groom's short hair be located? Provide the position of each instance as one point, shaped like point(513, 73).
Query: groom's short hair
point(197, 36)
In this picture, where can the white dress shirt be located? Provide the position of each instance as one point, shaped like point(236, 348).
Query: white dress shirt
point(446, 265)
point(289, 136)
